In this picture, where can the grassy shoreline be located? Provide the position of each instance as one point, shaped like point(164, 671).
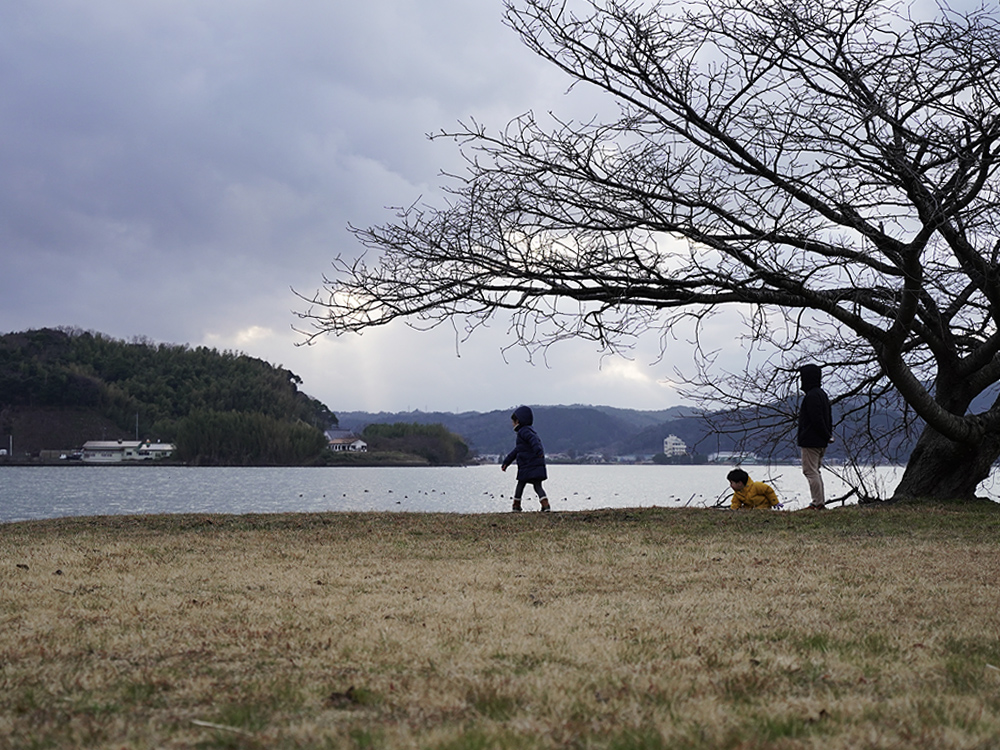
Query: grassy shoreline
point(854, 628)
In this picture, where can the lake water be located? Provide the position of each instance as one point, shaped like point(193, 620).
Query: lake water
point(29, 492)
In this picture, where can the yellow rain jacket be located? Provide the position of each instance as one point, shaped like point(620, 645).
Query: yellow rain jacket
point(755, 495)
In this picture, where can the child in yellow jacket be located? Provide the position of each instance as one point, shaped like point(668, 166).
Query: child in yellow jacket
point(748, 493)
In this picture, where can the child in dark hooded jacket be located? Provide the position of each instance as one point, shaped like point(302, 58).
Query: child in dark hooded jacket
point(530, 457)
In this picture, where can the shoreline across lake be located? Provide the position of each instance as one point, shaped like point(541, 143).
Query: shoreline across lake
point(54, 492)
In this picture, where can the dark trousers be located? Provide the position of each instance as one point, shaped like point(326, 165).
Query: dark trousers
point(536, 483)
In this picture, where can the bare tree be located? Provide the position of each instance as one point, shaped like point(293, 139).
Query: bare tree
point(828, 167)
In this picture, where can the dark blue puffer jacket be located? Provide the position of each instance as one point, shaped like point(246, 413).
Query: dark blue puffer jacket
point(528, 451)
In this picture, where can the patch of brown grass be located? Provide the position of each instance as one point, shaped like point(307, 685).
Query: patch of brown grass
point(854, 628)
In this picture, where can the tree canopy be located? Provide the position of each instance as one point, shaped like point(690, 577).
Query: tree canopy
point(827, 168)
point(433, 442)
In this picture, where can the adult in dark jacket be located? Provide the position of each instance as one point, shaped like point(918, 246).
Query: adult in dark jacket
point(815, 430)
point(530, 457)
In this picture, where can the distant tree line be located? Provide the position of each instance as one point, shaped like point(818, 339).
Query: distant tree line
point(245, 439)
point(219, 407)
point(431, 441)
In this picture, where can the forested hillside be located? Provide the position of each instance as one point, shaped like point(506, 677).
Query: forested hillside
point(60, 386)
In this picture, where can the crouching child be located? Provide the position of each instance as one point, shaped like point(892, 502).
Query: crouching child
point(750, 494)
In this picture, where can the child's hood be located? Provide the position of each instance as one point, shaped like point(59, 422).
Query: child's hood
point(523, 415)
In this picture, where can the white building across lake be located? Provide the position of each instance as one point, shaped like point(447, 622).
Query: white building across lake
point(115, 451)
point(733, 457)
point(674, 446)
point(343, 440)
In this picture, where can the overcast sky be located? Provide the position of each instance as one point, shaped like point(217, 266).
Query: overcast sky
point(172, 169)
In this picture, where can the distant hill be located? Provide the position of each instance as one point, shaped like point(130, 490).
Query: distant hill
point(581, 430)
point(576, 430)
point(60, 387)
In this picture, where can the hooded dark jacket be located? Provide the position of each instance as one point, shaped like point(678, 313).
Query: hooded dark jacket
point(528, 451)
point(815, 418)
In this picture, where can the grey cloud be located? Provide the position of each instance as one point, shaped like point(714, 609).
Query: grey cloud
point(170, 169)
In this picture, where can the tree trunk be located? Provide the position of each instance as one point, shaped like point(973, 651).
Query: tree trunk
point(942, 469)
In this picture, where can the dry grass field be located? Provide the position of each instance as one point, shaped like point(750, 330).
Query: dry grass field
point(850, 628)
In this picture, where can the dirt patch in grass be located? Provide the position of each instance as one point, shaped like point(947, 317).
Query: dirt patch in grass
point(854, 628)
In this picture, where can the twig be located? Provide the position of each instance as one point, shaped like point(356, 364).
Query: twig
point(843, 498)
point(222, 727)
